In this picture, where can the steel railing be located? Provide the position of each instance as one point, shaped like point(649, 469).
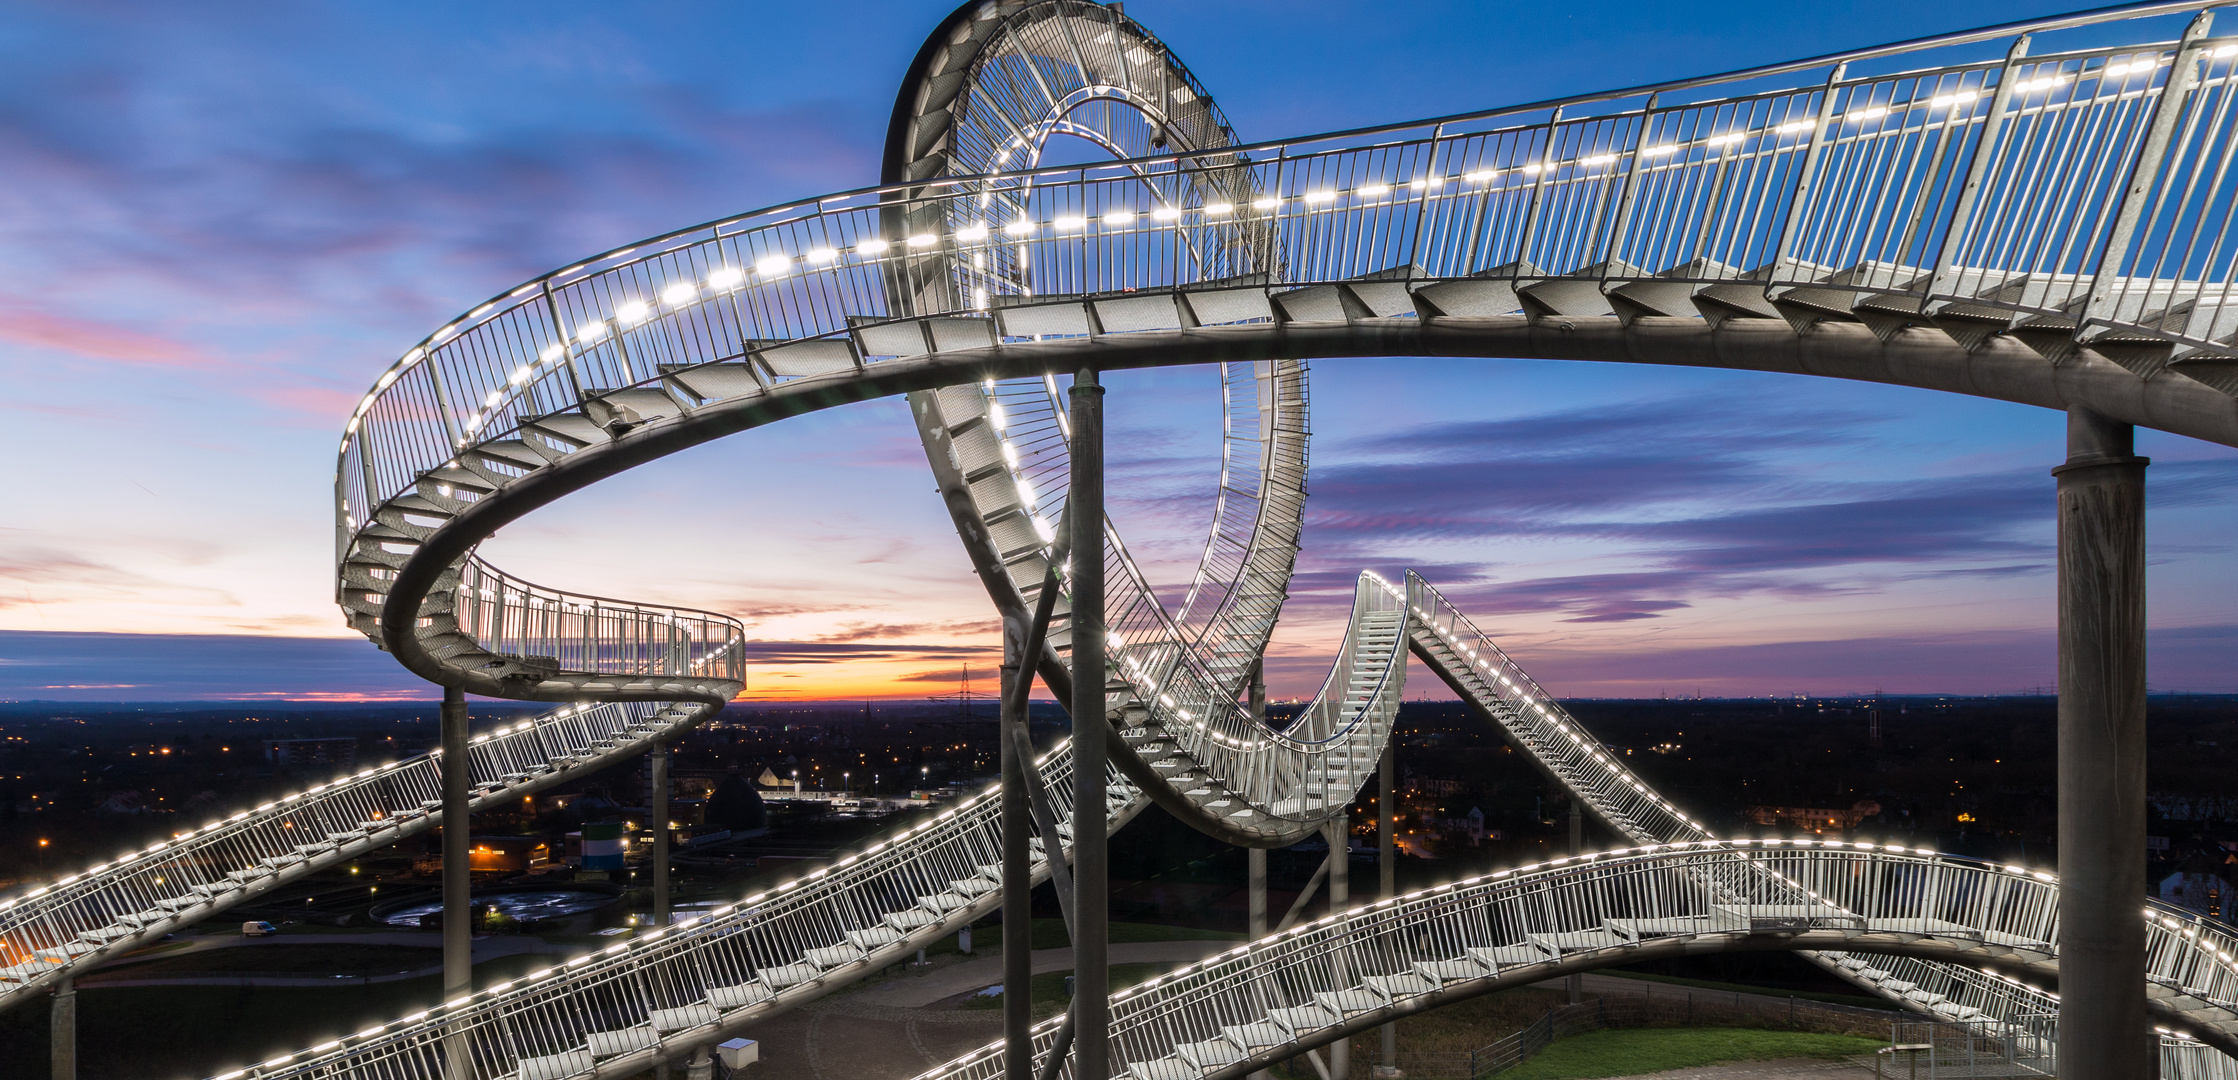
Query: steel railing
point(1274, 996)
point(109, 908)
point(613, 1010)
point(546, 630)
point(2082, 192)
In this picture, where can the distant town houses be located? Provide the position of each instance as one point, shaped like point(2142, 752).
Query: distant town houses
point(1815, 818)
point(2197, 877)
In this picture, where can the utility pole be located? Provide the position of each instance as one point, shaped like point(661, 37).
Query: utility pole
point(1387, 863)
point(1091, 903)
point(1577, 847)
point(659, 810)
point(1339, 834)
point(656, 783)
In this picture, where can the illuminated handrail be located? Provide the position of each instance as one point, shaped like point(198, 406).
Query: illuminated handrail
point(1271, 998)
point(746, 961)
point(546, 629)
point(112, 908)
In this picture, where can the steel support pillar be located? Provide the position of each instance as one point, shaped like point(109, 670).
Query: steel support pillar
point(1017, 867)
point(1091, 868)
point(2103, 1030)
point(62, 1027)
point(657, 806)
point(1387, 868)
point(1338, 833)
point(1577, 847)
point(1255, 859)
point(702, 1065)
point(458, 875)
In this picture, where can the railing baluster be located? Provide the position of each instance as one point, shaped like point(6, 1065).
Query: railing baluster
point(2102, 310)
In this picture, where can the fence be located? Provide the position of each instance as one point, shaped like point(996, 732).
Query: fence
point(1935, 1049)
point(1651, 1007)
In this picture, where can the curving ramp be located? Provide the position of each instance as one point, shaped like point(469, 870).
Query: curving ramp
point(2033, 228)
point(1356, 970)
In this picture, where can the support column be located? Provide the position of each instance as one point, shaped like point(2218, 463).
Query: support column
point(2103, 1030)
point(1338, 833)
point(702, 1065)
point(458, 876)
point(1577, 847)
point(1017, 868)
point(1255, 859)
point(1387, 866)
point(62, 1026)
point(658, 766)
point(656, 807)
point(1091, 905)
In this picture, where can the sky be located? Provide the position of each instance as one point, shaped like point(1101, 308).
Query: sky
point(220, 221)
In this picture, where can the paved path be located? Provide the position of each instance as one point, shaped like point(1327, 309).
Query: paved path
point(1776, 1069)
point(916, 990)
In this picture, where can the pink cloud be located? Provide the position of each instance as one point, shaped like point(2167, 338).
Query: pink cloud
point(97, 340)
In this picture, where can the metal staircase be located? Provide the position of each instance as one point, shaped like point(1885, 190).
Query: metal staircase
point(1355, 970)
point(1962, 214)
point(121, 905)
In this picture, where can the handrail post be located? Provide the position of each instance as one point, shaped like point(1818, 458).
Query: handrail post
point(1623, 215)
point(1091, 899)
point(1538, 190)
point(567, 351)
point(2103, 306)
point(1985, 148)
point(1784, 253)
point(443, 401)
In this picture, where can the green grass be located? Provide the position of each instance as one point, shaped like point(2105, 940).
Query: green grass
point(1633, 1051)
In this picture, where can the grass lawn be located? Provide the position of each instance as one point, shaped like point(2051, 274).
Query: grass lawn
point(1630, 1052)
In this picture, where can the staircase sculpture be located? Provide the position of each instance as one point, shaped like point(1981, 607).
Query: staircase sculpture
point(2041, 228)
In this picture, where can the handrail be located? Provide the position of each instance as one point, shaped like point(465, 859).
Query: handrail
point(1353, 970)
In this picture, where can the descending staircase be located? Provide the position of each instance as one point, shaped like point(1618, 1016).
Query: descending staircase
point(107, 910)
point(1355, 970)
point(1806, 225)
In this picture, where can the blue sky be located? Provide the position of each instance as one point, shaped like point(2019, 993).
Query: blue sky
point(219, 222)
